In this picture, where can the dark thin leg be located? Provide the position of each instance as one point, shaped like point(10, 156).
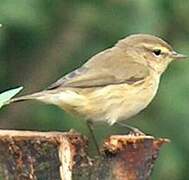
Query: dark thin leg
point(90, 127)
point(133, 129)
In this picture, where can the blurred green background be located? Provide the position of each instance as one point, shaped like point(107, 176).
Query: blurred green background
point(41, 40)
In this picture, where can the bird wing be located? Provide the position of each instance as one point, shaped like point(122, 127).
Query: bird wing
point(111, 66)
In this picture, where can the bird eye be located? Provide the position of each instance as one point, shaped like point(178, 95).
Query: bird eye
point(157, 52)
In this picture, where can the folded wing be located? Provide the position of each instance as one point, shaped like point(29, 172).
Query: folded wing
point(109, 67)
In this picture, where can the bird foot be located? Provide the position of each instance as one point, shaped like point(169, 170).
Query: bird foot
point(136, 132)
point(132, 130)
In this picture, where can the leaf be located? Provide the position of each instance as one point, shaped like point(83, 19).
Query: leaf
point(7, 95)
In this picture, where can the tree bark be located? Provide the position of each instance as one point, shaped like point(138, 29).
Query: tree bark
point(63, 156)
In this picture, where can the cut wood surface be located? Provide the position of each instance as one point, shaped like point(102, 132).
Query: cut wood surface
point(29, 155)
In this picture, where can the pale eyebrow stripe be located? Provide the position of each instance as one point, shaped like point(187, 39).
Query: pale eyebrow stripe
point(163, 49)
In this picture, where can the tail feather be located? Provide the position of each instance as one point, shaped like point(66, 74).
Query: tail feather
point(27, 97)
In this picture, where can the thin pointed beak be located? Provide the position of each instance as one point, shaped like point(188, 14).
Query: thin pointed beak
point(178, 56)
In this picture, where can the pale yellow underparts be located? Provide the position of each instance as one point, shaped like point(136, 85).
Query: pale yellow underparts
point(110, 103)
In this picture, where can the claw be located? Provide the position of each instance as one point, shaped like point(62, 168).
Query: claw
point(133, 131)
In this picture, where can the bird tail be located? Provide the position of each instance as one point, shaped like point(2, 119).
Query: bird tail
point(34, 96)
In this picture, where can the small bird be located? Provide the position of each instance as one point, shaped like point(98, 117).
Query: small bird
point(115, 84)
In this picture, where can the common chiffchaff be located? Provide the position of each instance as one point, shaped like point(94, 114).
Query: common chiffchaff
point(116, 83)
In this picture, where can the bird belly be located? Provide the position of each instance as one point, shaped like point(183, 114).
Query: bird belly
point(120, 102)
point(110, 103)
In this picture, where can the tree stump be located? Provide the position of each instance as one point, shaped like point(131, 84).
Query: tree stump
point(29, 155)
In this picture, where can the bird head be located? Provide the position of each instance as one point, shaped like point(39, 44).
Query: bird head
point(150, 50)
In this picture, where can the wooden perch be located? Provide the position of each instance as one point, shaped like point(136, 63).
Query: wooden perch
point(26, 155)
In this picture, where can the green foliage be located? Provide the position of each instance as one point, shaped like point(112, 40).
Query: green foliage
point(41, 40)
point(6, 96)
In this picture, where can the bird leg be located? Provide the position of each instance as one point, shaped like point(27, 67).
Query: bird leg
point(90, 127)
point(133, 130)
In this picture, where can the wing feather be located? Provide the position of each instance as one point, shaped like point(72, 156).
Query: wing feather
point(111, 66)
